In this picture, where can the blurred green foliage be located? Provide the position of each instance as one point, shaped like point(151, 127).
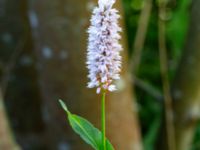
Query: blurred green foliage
point(150, 109)
point(196, 143)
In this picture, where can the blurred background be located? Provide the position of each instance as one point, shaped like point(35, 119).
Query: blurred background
point(42, 59)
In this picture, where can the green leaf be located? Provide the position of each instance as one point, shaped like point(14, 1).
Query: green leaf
point(86, 130)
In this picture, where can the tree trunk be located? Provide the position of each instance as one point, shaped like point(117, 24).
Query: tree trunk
point(18, 75)
point(59, 30)
point(186, 89)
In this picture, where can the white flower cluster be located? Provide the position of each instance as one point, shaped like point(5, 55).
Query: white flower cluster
point(103, 53)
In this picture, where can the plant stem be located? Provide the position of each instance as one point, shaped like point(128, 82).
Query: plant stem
point(140, 37)
point(170, 129)
point(103, 121)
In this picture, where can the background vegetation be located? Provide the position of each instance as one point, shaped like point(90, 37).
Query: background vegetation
point(42, 59)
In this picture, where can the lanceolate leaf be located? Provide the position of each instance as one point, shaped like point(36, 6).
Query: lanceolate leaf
point(86, 130)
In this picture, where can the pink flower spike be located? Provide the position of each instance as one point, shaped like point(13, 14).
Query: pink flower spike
point(103, 52)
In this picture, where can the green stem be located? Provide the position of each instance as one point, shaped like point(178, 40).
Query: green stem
point(103, 121)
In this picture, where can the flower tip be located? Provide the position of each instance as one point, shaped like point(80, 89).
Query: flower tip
point(106, 2)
